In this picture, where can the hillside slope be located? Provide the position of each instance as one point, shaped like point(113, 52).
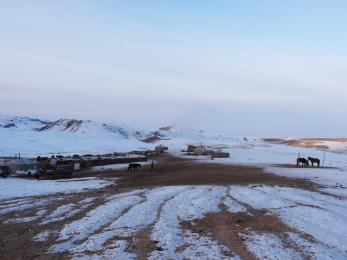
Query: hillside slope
point(31, 136)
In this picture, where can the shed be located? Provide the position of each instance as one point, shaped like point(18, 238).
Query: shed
point(161, 148)
point(200, 150)
point(191, 148)
point(220, 154)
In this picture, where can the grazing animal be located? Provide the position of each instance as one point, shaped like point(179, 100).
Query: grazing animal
point(5, 170)
point(302, 162)
point(313, 161)
point(133, 167)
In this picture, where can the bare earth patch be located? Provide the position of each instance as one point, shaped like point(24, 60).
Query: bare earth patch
point(318, 143)
point(231, 228)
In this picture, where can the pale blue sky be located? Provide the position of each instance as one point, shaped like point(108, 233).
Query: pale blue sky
point(243, 67)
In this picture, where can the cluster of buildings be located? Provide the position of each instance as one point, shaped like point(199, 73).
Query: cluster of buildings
point(197, 150)
point(203, 150)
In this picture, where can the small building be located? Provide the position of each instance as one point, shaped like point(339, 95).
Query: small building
point(77, 166)
point(191, 148)
point(209, 152)
point(200, 150)
point(220, 154)
point(161, 148)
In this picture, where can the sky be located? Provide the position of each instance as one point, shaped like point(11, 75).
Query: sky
point(260, 68)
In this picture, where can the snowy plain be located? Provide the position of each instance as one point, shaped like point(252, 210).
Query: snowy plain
point(278, 159)
point(316, 223)
point(13, 187)
point(316, 220)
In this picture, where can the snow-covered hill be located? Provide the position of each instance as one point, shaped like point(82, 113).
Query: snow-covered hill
point(31, 136)
point(17, 123)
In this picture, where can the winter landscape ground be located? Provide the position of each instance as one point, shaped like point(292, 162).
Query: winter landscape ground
point(173, 130)
point(254, 205)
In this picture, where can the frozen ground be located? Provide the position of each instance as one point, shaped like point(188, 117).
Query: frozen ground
point(118, 166)
point(275, 158)
point(12, 187)
point(257, 152)
point(334, 181)
point(176, 222)
point(313, 224)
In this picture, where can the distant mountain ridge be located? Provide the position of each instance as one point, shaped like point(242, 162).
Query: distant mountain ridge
point(36, 136)
point(13, 123)
point(20, 121)
point(33, 137)
point(71, 125)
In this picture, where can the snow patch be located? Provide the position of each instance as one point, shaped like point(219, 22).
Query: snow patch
point(9, 186)
point(269, 246)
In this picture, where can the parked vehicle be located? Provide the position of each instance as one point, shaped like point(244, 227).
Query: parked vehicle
point(60, 171)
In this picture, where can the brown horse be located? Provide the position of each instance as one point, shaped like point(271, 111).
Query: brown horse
point(302, 161)
point(313, 161)
point(133, 167)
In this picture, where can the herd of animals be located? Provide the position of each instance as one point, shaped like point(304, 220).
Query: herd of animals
point(306, 162)
point(134, 167)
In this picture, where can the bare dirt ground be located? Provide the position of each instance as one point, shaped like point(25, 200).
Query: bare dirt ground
point(307, 142)
point(16, 239)
point(226, 227)
point(172, 170)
